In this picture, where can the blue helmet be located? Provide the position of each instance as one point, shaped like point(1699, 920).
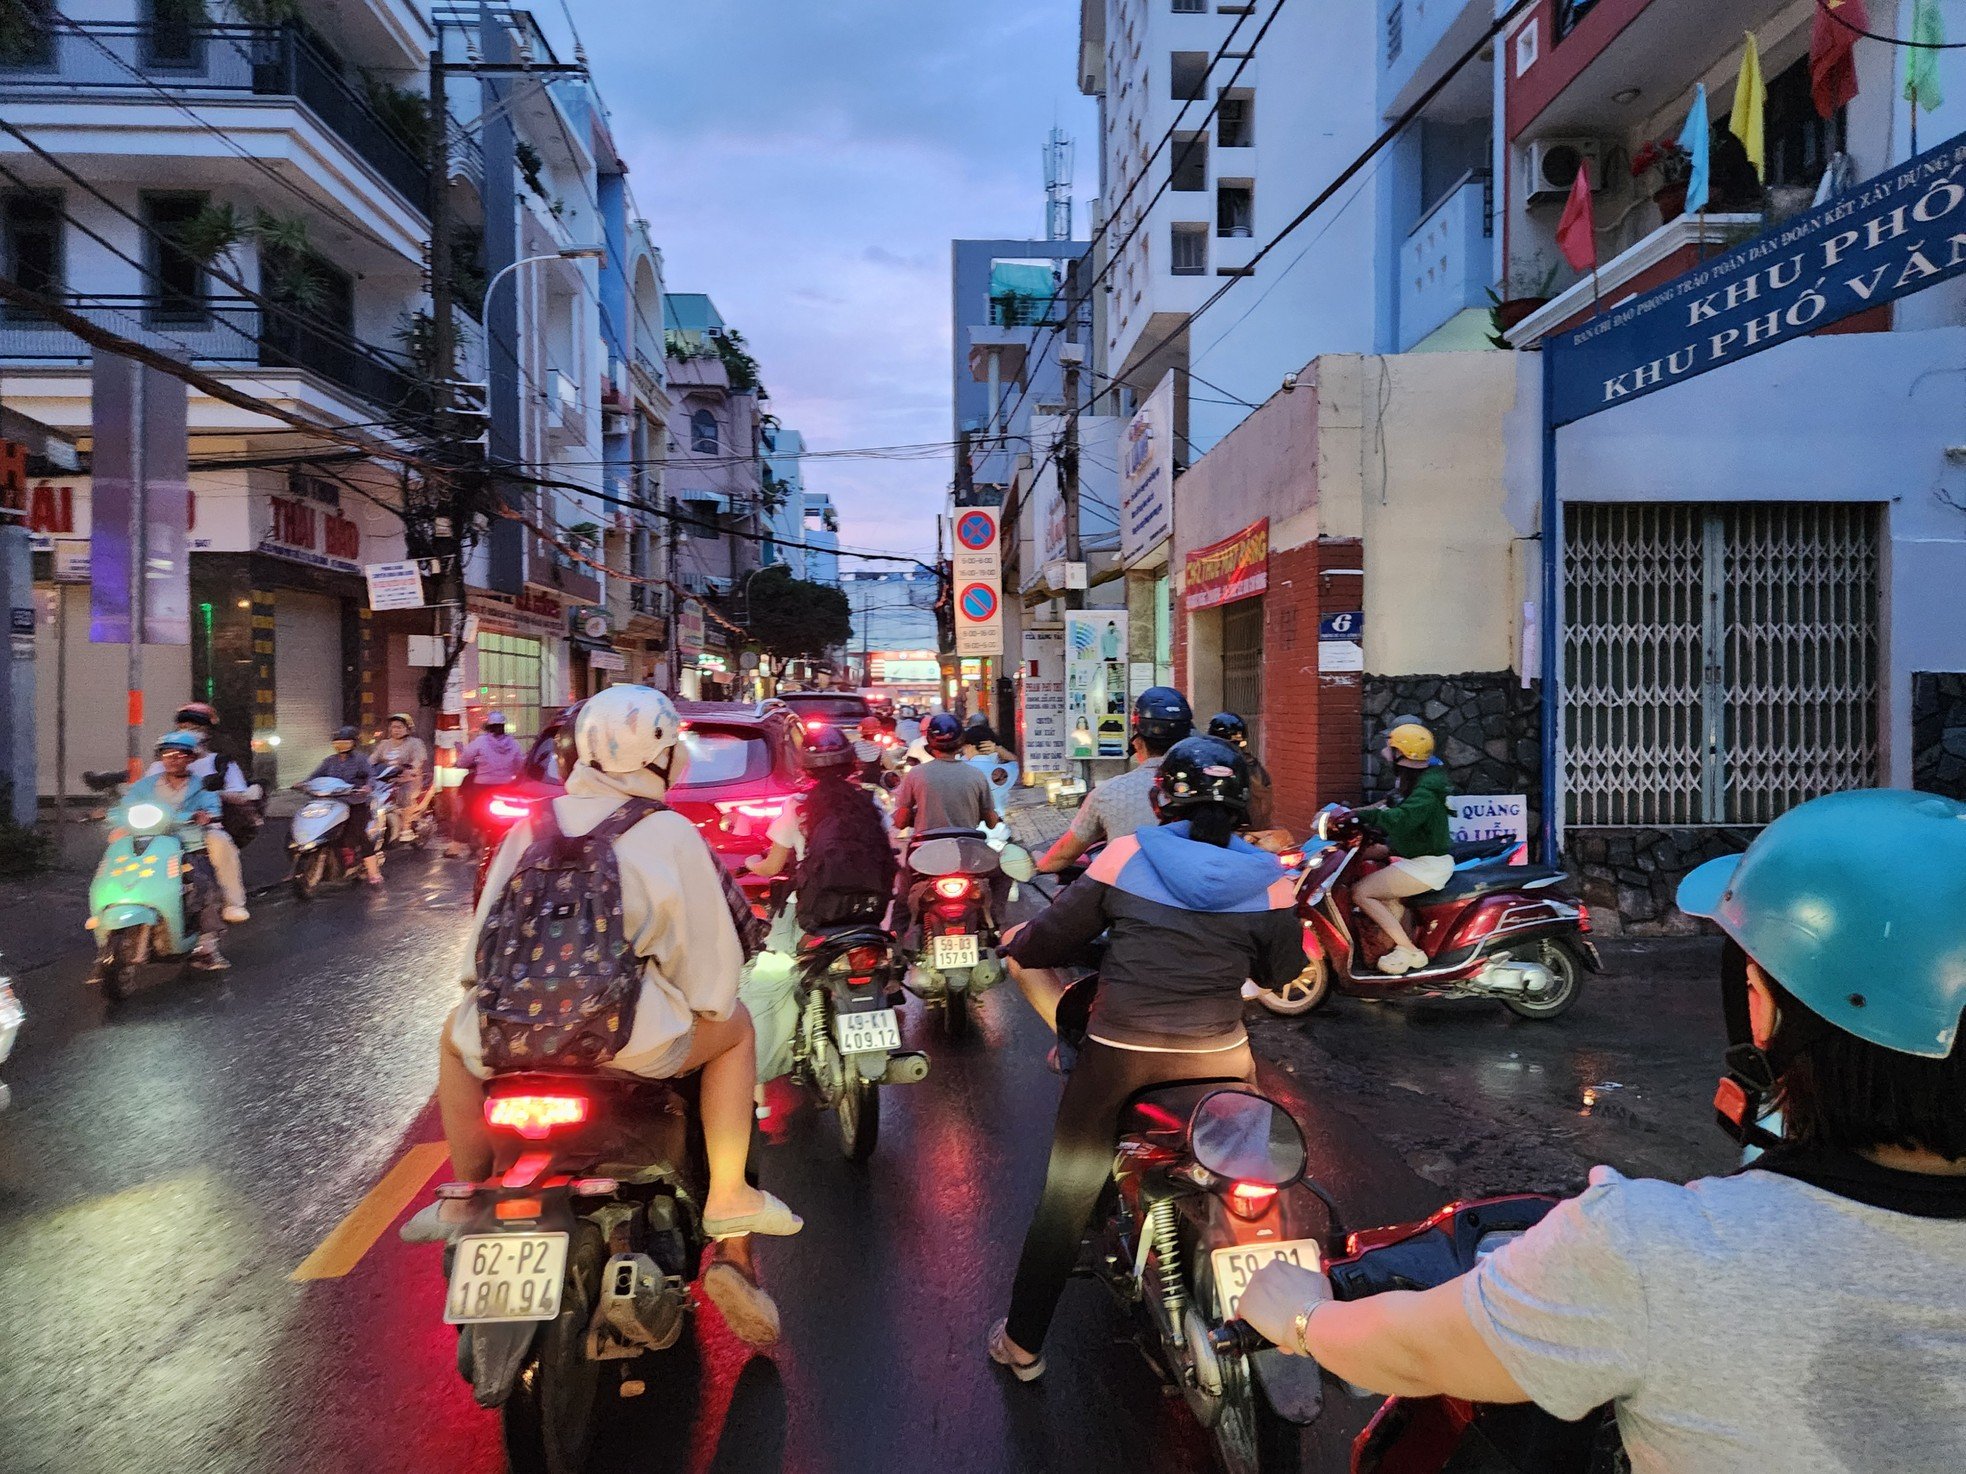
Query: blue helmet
point(1856, 904)
point(179, 742)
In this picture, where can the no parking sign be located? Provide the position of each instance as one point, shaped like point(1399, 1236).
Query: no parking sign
point(979, 620)
point(978, 570)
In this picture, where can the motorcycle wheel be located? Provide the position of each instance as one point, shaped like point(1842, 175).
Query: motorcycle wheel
point(308, 872)
point(118, 968)
point(858, 1115)
point(1564, 966)
point(955, 1013)
point(1310, 989)
point(1251, 1439)
point(550, 1416)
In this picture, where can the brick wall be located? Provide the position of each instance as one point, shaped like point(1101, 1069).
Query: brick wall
point(1310, 721)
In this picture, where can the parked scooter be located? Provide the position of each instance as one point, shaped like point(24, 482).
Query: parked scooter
point(1495, 930)
point(953, 908)
point(321, 844)
point(1431, 1435)
point(144, 891)
point(847, 1043)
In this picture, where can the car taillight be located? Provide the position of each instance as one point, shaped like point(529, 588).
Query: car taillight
point(1251, 1199)
point(507, 808)
point(535, 1117)
point(952, 887)
point(814, 724)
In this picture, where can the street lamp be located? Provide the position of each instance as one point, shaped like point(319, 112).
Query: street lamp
point(571, 253)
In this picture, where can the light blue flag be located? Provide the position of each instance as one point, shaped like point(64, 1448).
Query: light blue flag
point(1693, 138)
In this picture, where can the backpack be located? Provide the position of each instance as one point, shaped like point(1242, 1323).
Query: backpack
point(557, 981)
point(848, 871)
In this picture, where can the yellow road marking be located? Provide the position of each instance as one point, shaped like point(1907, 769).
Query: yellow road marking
point(356, 1234)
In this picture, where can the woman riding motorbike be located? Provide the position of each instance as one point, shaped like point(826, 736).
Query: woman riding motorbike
point(1414, 821)
point(353, 768)
point(1806, 1314)
point(195, 811)
point(1190, 911)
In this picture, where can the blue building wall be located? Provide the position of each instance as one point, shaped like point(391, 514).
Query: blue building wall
point(969, 307)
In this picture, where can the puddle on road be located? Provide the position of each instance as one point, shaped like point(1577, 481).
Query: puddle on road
point(1592, 1094)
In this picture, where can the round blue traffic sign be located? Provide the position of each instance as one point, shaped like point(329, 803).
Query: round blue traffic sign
point(979, 601)
point(975, 530)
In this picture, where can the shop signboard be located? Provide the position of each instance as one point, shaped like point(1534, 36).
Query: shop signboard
point(1340, 641)
point(1147, 475)
point(1238, 567)
point(1095, 682)
point(606, 660)
point(1042, 693)
point(305, 531)
point(394, 586)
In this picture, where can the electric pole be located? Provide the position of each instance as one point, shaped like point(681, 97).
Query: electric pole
point(1071, 356)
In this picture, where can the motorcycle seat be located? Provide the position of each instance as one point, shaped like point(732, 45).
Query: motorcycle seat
point(1482, 879)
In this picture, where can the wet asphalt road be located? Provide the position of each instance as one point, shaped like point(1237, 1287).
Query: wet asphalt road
point(164, 1171)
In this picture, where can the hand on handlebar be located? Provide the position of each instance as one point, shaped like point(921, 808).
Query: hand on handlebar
point(1278, 1293)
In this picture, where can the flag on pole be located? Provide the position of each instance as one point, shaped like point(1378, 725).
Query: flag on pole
point(1576, 233)
point(1748, 120)
point(1922, 58)
point(1693, 138)
point(1833, 36)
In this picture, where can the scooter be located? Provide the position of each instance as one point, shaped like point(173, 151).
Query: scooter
point(1509, 932)
point(400, 821)
point(952, 903)
point(319, 843)
point(847, 1043)
point(143, 890)
point(1432, 1435)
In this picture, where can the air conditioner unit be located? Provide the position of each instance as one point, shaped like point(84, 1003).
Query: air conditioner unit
point(1550, 165)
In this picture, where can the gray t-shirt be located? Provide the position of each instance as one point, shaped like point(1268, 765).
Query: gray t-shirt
point(943, 793)
point(1118, 806)
point(1743, 1325)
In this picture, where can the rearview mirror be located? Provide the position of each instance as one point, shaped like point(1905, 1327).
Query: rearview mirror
point(1240, 1135)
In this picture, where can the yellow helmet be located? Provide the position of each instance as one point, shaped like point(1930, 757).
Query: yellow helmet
point(1413, 742)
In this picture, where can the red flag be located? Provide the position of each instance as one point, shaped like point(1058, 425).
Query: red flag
point(1576, 235)
point(1832, 37)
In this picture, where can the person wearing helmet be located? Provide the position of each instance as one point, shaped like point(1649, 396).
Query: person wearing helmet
point(850, 871)
point(945, 792)
point(352, 766)
point(1807, 1314)
point(679, 909)
point(1189, 912)
point(489, 760)
point(171, 785)
point(238, 806)
point(1414, 821)
point(1119, 806)
point(401, 749)
point(1232, 729)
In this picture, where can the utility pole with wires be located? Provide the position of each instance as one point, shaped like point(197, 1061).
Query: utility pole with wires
point(1071, 358)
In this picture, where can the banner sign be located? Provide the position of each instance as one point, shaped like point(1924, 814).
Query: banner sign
point(1095, 682)
point(394, 586)
point(140, 464)
point(1042, 697)
point(1898, 233)
point(1473, 816)
point(689, 627)
point(1238, 567)
point(1147, 475)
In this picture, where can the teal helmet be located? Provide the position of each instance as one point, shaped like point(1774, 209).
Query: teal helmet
point(1856, 905)
point(179, 742)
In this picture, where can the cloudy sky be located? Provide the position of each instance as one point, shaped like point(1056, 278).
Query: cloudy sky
point(807, 164)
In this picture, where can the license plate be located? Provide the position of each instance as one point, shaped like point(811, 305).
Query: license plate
point(869, 1033)
point(506, 1277)
point(952, 951)
point(1237, 1264)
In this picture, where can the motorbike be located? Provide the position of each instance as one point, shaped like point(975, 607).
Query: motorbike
point(1509, 932)
point(12, 1016)
point(1432, 1435)
point(503, 811)
point(319, 843)
point(955, 926)
point(576, 1257)
point(143, 890)
point(847, 1043)
point(400, 821)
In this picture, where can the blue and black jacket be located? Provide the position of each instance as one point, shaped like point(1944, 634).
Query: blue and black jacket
point(1187, 923)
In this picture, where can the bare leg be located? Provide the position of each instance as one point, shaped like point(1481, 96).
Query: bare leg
point(1042, 987)
point(1375, 895)
point(461, 1104)
point(727, 1053)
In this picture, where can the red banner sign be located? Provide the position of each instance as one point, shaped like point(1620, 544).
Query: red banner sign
point(1238, 567)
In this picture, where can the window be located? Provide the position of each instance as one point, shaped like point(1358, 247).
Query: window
point(171, 38)
point(1395, 32)
point(1190, 250)
point(512, 673)
point(29, 42)
point(1190, 7)
point(1235, 210)
point(1190, 168)
point(1800, 140)
point(1187, 75)
point(718, 755)
point(177, 279)
point(703, 432)
point(702, 516)
point(31, 240)
point(1235, 121)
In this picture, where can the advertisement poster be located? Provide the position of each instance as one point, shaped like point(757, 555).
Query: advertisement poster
point(1235, 568)
point(1472, 816)
point(1095, 682)
point(1147, 475)
point(1042, 691)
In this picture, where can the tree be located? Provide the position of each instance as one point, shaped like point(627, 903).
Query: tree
point(793, 618)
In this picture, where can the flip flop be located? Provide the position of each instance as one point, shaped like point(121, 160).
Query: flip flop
point(750, 1313)
point(1002, 1354)
point(774, 1220)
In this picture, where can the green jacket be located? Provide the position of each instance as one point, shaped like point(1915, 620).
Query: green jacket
point(1417, 824)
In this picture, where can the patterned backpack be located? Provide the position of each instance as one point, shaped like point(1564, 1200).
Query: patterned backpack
point(557, 979)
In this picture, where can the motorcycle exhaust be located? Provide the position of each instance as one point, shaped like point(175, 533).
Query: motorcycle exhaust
point(638, 1310)
point(910, 1067)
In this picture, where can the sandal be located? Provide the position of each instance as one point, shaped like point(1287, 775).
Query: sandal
point(1005, 1355)
point(774, 1220)
point(750, 1313)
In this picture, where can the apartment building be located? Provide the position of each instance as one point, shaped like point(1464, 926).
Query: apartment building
point(785, 490)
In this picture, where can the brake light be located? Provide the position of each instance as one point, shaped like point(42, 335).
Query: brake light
point(1583, 917)
point(1251, 1199)
point(1291, 859)
point(814, 724)
point(952, 887)
point(505, 808)
point(862, 961)
point(535, 1117)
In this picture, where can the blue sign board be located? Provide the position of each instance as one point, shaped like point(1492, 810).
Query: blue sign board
point(1889, 236)
point(979, 601)
point(1347, 626)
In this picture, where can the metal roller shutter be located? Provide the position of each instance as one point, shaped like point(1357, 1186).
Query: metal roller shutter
point(307, 659)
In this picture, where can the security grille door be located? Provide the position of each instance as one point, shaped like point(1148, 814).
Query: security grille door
point(1719, 661)
point(1242, 664)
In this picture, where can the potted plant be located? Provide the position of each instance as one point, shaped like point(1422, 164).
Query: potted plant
point(1675, 166)
point(1528, 290)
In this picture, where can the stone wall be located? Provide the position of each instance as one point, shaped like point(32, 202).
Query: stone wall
point(1938, 733)
point(1629, 877)
point(1484, 725)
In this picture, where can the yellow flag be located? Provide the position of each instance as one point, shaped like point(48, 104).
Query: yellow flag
point(1748, 122)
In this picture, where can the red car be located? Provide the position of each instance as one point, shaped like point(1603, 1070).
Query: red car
point(743, 770)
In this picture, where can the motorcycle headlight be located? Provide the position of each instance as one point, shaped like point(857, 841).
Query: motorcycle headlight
point(145, 816)
point(316, 810)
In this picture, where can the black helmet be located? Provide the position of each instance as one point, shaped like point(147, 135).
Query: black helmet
point(942, 734)
point(827, 750)
point(1201, 770)
point(1162, 715)
point(347, 734)
point(1229, 727)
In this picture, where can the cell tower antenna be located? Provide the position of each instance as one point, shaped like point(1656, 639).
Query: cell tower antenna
point(1058, 186)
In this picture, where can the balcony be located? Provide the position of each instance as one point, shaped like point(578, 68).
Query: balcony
point(1418, 41)
point(1675, 247)
point(166, 65)
point(221, 333)
point(1448, 261)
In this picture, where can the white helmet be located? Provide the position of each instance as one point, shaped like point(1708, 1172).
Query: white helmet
point(625, 729)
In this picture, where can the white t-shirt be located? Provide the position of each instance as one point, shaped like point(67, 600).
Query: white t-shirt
point(1743, 1325)
point(787, 831)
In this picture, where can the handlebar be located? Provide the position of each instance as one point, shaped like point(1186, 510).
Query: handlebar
point(1238, 1338)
